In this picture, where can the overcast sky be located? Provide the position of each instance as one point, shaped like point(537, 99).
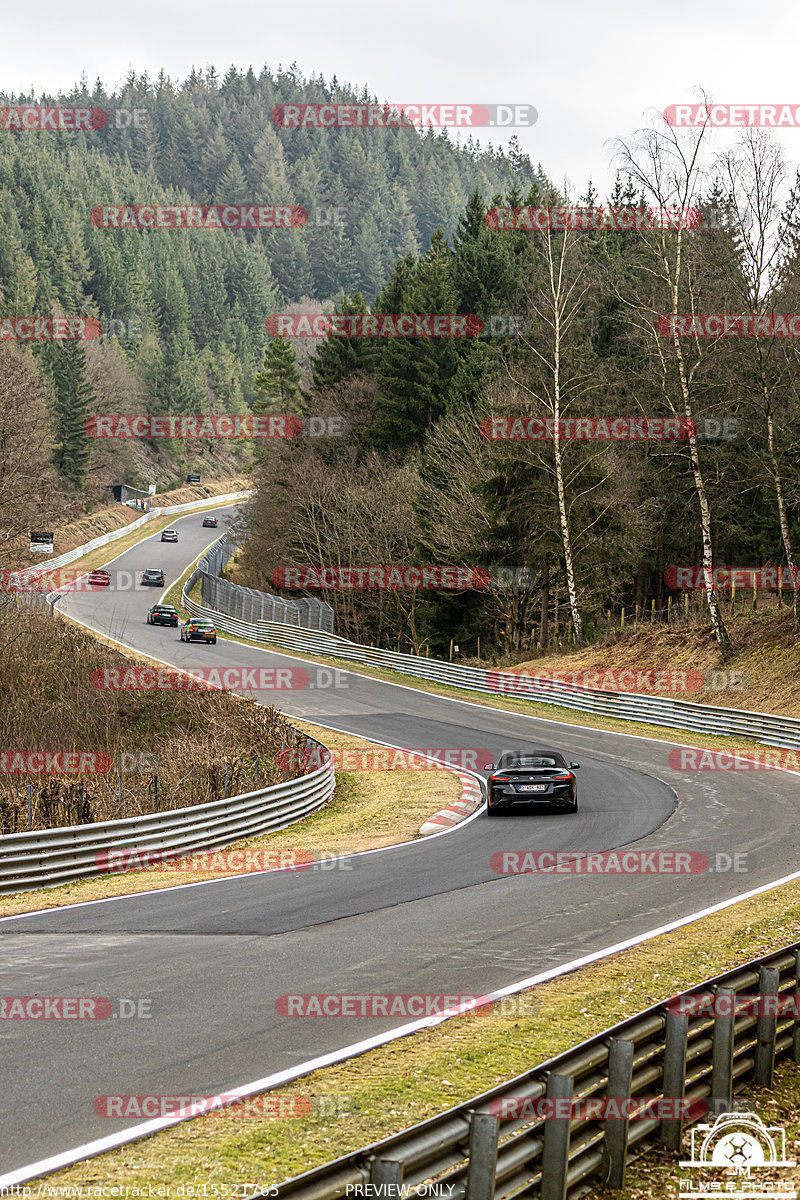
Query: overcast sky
point(594, 69)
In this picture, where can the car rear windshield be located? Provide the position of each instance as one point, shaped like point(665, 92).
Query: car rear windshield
point(164, 608)
point(530, 760)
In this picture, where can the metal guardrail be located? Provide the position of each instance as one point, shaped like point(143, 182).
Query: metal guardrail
point(659, 1053)
point(249, 604)
point(104, 539)
point(765, 728)
point(49, 857)
point(46, 858)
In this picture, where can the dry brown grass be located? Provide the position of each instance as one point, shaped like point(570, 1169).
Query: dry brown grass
point(368, 809)
point(765, 651)
point(199, 491)
point(116, 516)
point(47, 673)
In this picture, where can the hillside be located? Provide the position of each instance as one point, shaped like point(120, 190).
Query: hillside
point(763, 673)
point(183, 312)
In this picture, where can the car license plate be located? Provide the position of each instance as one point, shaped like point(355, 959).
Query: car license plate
point(532, 787)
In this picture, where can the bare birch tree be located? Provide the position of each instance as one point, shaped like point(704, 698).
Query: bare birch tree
point(551, 376)
point(666, 166)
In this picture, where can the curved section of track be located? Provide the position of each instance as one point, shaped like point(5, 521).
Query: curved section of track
point(428, 916)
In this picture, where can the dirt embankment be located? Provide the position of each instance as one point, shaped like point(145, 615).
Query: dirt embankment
point(116, 516)
point(683, 663)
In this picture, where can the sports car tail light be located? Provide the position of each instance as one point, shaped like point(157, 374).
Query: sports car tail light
point(561, 778)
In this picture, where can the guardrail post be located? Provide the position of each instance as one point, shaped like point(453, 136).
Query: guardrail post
point(766, 1024)
point(615, 1130)
point(555, 1150)
point(796, 1048)
point(484, 1131)
point(387, 1176)
point(674, 1081)
point(722, 1059)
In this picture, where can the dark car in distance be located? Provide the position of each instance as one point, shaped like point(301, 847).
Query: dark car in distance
point(162, 614)
point(196, 629)
point(209, 523)
point(153, 577)
point(535, 778)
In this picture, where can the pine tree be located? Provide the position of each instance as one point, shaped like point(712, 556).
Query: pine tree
point(233, 187)
point(266, 170)
point(278, 384)
point(415, 375)
point(339, 357)
point(334, 264)
point(290, 263)
point(73, 405)
point(216, 157)
point(370, 250)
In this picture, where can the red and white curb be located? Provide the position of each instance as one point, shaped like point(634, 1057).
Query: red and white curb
point(471, 798)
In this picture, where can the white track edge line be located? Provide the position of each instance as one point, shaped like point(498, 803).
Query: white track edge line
point(337, 729)
point(115, 1140)
point(178, 887)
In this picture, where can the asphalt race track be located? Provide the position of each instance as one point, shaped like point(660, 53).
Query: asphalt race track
point(430, 916)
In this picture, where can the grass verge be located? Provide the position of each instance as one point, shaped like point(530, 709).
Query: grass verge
point(390, 1088)
point(527, 708)
point(658, 1173)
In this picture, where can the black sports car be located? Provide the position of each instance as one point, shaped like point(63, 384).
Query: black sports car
point(533, 777)
point(162, 614)
point(210, 523)
point(154, 577)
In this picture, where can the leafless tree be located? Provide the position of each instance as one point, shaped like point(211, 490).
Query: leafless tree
point(666, 165)
point(551, 376)
point(762, 209)
point(29, 491)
